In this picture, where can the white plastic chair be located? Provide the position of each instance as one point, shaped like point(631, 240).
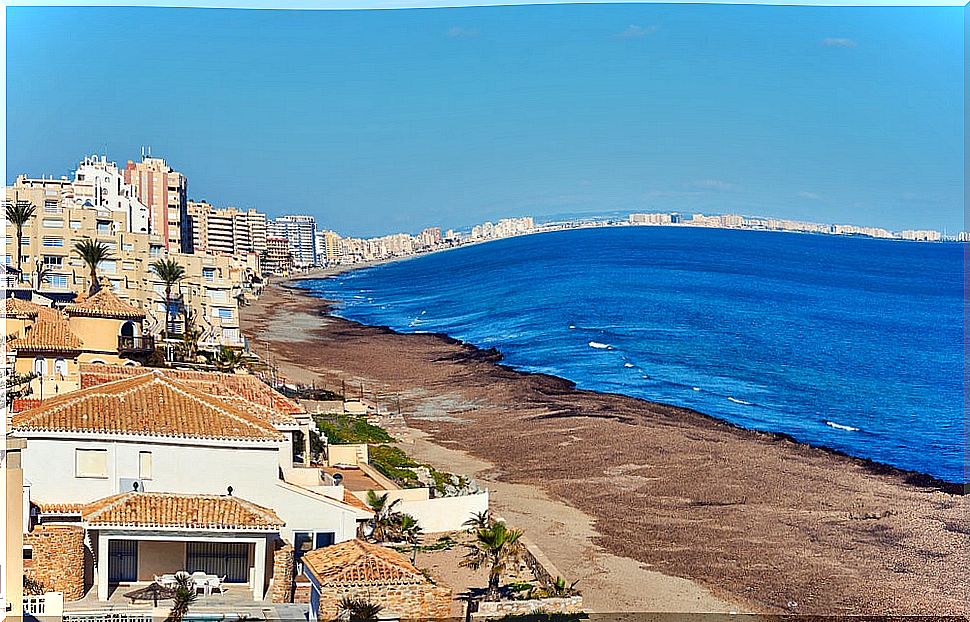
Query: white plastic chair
point(217, 583)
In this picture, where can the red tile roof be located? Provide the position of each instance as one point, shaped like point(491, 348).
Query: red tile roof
point(104, 303)
point(243, 390)
point(15, 307)
point(50, 332)
point(150, 404)
point(159, 509)
point(359, 563)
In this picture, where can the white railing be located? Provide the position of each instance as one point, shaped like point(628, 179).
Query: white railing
point(50, 604)
point(109, 616)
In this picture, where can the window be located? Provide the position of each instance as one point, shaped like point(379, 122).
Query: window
point(107, 266)
point(40, 366)
point(60, 368)
point(154, 251)
point(217, 295)
point(57, 281)
point(144, 465)
point(209, 274)
point(53, 242)
point(223, 313)
point(128, 265)
point(91, 463)
point(53, 261)
point(51, 206)
point(75, 224)
point(28, 552)
point(127, 246)
point(53, 223)
point(104, 227)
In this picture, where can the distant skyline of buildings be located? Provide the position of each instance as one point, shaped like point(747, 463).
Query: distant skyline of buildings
point(151, 197)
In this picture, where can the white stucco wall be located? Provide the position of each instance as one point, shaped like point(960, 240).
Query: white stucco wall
point(178, 468)
point(444, 513)
point(253, 473)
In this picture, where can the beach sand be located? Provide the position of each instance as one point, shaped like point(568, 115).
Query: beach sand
point(652, 507)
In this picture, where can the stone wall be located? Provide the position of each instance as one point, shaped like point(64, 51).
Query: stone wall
point(421, 601)
point(301, 592)
point(58, 559)
point(282, 590)
point(497, 609)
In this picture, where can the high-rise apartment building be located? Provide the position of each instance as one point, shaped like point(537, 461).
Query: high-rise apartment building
point(300, 232)
point(328, 247)
point(164, 191)
point(209, 293)
point(226, 230)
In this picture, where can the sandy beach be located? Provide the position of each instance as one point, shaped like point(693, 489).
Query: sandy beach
point(652, 507)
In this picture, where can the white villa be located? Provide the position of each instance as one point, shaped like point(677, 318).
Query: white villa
point(165, 470)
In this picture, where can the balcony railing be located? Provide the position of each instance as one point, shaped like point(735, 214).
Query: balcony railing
point(136, 344)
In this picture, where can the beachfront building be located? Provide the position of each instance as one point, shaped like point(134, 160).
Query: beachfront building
point(164, 191)
point(144, 472)
point(328, 248)
point(208, 296)
point(278, 258)
point(375, 573)
point(300, 233)
point(226, 230)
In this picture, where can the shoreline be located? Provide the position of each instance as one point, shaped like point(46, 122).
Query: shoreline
point(910, 477)
point(852, 515)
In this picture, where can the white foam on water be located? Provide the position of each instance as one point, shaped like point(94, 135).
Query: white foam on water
point(839, 426)
point(737, 401)
point(695, 388)
point(600, 346)
point(628, 364)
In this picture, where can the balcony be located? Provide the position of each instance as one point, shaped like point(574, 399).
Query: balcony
point(135, 344)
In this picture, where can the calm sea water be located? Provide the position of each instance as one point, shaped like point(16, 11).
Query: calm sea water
point(853, 344)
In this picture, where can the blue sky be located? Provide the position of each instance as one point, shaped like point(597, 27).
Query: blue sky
point(380, 121)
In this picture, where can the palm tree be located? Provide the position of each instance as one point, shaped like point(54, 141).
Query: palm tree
point(407, 529)
point(478, 520)
point(93, 253)
point(228, 359)
point(18, 213)
point(497, 547)
point(185, 597)
point(384, 515)
point(171, 272)
point(360, 610)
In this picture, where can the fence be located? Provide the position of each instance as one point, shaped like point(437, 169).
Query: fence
point(49, 605)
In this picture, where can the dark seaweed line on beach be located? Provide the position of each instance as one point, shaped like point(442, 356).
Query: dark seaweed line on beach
point(559, 386)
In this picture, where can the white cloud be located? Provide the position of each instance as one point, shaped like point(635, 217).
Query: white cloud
point(715, 184)
point(460, 32)
point(838, 42)
point(636, 32)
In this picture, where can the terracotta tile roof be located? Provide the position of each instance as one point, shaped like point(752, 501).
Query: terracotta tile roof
point(242, 390)
point(359, 563)
point(50, 332)
point(104, 303)
point(149, 404)
point(161, 509)
point(350, 499)
point(60, 508)
point(15, 307)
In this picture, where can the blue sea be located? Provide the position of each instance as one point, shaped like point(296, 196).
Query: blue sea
point(849, 343)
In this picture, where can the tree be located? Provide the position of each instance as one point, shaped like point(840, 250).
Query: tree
point(170, 272)
point(384, 515)
point(185, 597)
point(359, 609)
point(407, 529)
point(497, 547)
point(18, 213)
point(478, 520)
point(228, 359)
point(18, 385)
point(92, 253)
point(190, 337)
